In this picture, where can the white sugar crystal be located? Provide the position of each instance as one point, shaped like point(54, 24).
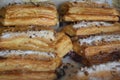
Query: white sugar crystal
point(19, 52)
point(84, 24)
point(42, 34)
point(99, 68)
point(92, 39)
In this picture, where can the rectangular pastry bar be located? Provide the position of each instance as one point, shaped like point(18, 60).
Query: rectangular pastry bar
point(99, 49)
point(83, 29)
point(78, 11)
point(28, 61)
point(42, 39)
point(41, 14)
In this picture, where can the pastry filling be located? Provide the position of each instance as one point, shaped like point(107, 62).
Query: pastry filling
point(85, 24)
point(32, 34)
point(111, 66)
point(27, 54)
point(94, 39)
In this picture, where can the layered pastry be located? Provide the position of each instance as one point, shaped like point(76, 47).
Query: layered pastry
point(40, 14)
point(41, 39)
point(25, 49)
point(88, 11)
point(28, 61)
point(84, 28)
point(99, 49)
point(28, 76)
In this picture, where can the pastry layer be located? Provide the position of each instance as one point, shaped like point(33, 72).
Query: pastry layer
point(98, 49)
point(65, 6)
point(31, 10)
point(25, 42)
point(63, 44)
point(29, 65)
point(28, 76)
point(43, 40)
point(40, 21)
point(30, 14)
point(89, 11)
point(77, 17)
point(83, 29)
point(93, 11)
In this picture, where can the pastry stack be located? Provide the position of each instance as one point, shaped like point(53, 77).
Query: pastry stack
point(29, 46)
point(95, 32)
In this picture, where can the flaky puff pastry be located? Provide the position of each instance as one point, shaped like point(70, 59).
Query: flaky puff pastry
point(78, 11)
point(43, 40)
point(29, 65)
point(98, 49)
point(66, 5)
point(41, 14)
point(28, 75)
point(84, 29)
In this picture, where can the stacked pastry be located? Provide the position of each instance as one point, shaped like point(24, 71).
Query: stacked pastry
point(29, 14)
point(95, 31)
point(31, 48)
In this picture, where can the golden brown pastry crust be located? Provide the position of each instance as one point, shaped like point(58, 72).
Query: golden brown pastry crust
point(24, 42)
point(93, 30)
point(69, 30)
point(30, 14)
point(97, 30)
point(29, 65)
point(109, 48)
point(63, 44)
point(66, 5)
point(93, 11)
point(28, 76)
point(75, 17)
point(78, 11)
point(41, 21)
point(99, 50)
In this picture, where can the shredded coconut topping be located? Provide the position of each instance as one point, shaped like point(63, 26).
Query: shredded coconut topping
point(19, 52)
point(92, 39)
point(32, 34)
point(102, 67)
point(84, 24)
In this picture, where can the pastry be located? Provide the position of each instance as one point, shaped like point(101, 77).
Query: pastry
point(83, 29)
point(46, 40)
point(40, 14)
point(99, 49)
point(28, 61)
point(79, 11)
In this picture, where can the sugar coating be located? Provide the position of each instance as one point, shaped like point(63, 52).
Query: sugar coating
point(84, 24)
point(99, 68)
point(32, 34)
point(92, 39)
point(6, 53)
